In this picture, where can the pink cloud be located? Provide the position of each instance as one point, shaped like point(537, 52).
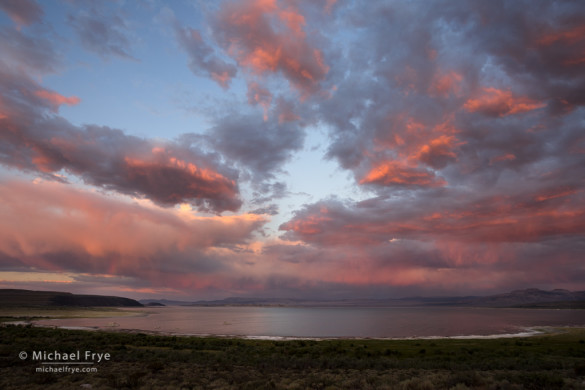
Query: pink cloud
point(54, 227)
point(444, 84)
point(398, 173)
point(268, 37)
point(502, 158)
point(55, 99)
point(568, 36)
point(497, 102)
point(531, 217)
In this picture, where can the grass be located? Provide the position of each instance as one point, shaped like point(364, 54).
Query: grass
point(141, 361)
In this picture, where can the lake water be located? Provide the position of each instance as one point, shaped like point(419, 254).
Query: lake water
point(323, 322)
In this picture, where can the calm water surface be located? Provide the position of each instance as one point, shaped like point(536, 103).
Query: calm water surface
point(333, 322)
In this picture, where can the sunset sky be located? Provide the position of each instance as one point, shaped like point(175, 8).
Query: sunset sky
point(286, 148)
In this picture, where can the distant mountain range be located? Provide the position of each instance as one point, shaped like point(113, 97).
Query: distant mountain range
point(529, 298)
point(28, 298)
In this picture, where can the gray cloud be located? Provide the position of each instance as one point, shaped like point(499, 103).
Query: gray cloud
point(202, 58)
point(103, 34)
point(32, 53)
point(22, 12)
point(259, 146)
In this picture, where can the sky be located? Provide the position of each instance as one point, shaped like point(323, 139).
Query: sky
point(322, 149)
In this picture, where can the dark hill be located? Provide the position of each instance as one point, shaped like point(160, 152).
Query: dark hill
point(28, 298)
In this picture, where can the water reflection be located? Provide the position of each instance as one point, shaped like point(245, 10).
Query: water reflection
point(333, 322)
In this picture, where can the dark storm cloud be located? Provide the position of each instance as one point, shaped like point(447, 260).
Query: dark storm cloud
point(35, 139)
point(102, 31)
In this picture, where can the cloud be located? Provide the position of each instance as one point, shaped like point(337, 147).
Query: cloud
point(259, 146)
point(454, 93)
point(439, 151)
point(164, 171)
point(438, 240)
point(55, 99)
point(29, 53)
point(22, 12)
point(285, 111)
point(202, 59)
point(444, 84)
point(269, 210)
point(495, 102)
point(397, 173)
point(258, 95)
point(103, 34)
point(81, 232)
point(269, 37)
point(461, 125)
point(533, 214)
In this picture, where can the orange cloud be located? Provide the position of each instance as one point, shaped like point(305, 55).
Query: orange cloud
point(438, 152)
point(397, 173)
point(55, 99)
point(497, 102)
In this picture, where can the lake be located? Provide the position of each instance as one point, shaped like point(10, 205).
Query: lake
point(332, 322)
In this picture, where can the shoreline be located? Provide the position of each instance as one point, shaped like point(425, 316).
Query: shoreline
point(525, 333)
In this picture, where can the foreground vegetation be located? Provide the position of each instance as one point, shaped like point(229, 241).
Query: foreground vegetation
point(141, 361)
